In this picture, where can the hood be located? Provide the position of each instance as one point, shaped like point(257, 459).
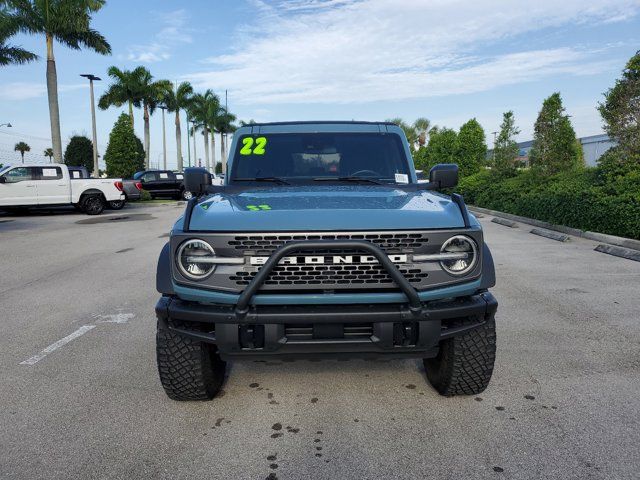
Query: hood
point(324, 208)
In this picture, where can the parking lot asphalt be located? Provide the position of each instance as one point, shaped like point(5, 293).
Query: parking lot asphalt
point(80, 396)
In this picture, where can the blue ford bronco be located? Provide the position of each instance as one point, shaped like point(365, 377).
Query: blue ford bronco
point(322, 243)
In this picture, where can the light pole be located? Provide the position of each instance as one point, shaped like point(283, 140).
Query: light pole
point(493, 156)
point(164, 139)
point(91, 78)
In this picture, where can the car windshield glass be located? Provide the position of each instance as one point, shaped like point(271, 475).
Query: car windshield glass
point(315, 157)
point(2, 169)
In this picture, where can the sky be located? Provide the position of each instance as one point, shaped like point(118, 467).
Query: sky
point(447, 60)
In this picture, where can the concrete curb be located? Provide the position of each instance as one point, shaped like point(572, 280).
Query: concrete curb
point(598, 237)
point(137, 204)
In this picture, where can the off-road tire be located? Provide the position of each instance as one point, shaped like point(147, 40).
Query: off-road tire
point(464, 364)
point(185, 195)
point(188, 369)
point(117, 204)
point(92, 204)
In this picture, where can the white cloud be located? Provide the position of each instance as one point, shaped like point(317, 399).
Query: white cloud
point(174, 32)
point(340, 51)
point(26, 90)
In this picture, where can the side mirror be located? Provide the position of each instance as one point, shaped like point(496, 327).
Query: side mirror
point(444, 175)
point(196, 180)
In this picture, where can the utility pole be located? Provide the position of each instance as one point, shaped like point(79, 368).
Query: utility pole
point(96, 169)
point(195, 155)
point(164, 139)
point(188, 143)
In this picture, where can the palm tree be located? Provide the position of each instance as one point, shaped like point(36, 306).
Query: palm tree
point(421, 127)
point(175, 100)
point(151, 95)
point(125, 88)
point(48, 152)
point(10, 53)
point(22, 147)
point(225, 125)
point(204, 110)
point(416, 133)
point(68, 22)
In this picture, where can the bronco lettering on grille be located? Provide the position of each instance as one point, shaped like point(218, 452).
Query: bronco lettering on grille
point(328, 259)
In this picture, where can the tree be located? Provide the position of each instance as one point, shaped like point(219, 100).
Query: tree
point(123, 157)
point(10, 53)
point(620, 111)
point(22, 147)
point(79, 152)
point(124, 88)
point(68, 22)
point(48, 152)
point(472, 148)
point(442, 148)
point(421, 129)
point(416, 133)
point(554, 146)
point(151, 95)
point(204, 111)
point(505, 149)
point(176, 100)
point(224, 125)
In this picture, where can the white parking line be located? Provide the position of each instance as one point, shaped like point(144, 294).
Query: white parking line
point(55, 346)
point(115, 318)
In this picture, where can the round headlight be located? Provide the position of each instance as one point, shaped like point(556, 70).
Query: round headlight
point(194, 259)
point(463, 255)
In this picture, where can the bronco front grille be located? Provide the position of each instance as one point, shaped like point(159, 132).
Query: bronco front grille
point(339, 275)
point(392, 242)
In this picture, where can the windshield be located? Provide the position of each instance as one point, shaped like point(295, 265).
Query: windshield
point(2, 169)
point(310, 157)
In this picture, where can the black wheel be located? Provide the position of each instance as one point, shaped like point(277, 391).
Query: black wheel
point(117, 204)
point(92, 204)
point(188, 369)
point(186, 195)
point(464, 364)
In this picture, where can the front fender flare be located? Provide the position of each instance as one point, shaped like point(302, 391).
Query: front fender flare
point(164, 284)
point(488, 269)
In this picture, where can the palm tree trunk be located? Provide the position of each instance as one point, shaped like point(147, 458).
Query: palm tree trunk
point(147, 140)
point(195, 153)
point(178, 140)
point(206, 148)
point(22, 155)
point(224, 154)
point(131, 111)
point(213, 150)
point(54, 111)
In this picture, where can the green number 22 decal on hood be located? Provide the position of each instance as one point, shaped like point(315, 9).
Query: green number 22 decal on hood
point(251, 146)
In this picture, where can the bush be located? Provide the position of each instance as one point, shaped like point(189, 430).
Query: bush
point(583, 199)
point(123, 157)
point(79, 152)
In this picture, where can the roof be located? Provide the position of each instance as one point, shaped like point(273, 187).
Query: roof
point(316, 122)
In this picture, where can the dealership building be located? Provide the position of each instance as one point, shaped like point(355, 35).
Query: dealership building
point(593, 147)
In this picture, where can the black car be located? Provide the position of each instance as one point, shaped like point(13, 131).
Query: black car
point(163, 183)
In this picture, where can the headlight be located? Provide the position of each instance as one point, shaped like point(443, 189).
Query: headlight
point(195, 259)
point(463, 254)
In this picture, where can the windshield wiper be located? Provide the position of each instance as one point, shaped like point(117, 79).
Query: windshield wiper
point(347, 179)
point(281, 181)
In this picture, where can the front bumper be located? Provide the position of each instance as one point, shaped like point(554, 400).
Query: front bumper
point(265, 331)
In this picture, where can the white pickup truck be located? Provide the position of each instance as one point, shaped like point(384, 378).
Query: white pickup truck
point(25, 186)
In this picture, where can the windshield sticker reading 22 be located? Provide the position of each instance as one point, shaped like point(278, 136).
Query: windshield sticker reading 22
point(251, 146)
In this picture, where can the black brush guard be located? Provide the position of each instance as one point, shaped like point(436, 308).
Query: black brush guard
point(413, 328)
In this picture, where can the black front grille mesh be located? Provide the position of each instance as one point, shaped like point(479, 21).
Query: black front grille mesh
point(391, 242)
point(340, 275)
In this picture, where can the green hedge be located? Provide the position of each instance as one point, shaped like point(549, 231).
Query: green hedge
point(587, 199)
